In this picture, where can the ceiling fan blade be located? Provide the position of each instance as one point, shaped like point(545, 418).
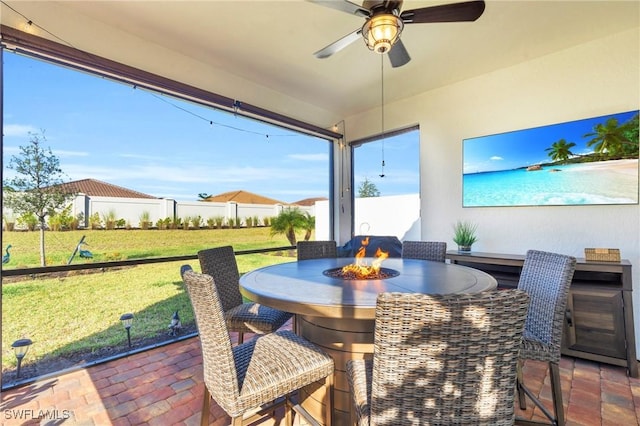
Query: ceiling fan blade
point(343, 6)
point(338, 45)
point(398, 54)
point(456, 12)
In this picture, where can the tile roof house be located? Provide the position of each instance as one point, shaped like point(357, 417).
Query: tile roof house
point(102, 198)
point(308, 202)
point(243, 197)
point(97, 188)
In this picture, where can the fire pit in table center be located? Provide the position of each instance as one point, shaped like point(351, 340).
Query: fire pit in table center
point(360, 270)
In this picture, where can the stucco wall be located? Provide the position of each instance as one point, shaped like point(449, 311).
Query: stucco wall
point(372, 217)
point(589, 80)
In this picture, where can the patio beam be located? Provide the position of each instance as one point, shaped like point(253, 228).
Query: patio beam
point(48, 50)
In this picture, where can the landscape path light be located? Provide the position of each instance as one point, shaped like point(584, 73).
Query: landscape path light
point(20, 348)
point(127, 320)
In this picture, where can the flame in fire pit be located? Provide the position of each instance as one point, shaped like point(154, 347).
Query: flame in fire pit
point(360, 270)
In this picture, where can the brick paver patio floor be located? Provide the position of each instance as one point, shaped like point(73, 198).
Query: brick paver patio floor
point(164, 386)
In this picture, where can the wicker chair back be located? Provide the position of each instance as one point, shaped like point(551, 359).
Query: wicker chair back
point(316, 249)
point(425, 250)
point(450, 359)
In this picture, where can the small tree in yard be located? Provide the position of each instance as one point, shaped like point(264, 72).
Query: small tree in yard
point(368, 189)
point(309, 226)
point(288, 222)
point(35, 189)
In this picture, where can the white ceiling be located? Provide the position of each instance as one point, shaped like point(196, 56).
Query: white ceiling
point(261, 52)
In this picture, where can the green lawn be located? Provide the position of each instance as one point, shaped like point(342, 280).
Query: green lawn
point(130, 244)
point(77, 317)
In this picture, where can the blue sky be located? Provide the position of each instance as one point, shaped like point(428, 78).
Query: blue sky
point(168, 148)
point(520, 148)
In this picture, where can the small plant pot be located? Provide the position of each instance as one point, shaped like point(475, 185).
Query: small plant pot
point(464, 249)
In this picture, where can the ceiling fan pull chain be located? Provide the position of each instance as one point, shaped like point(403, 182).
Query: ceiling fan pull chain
point(382, 109)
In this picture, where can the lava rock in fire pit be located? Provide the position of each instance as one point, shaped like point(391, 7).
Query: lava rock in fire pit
point(381, 274)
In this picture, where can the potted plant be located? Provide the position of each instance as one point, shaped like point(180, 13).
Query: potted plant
point(464, 235)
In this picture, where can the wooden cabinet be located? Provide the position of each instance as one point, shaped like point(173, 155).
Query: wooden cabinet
point(595, 323)
point(599, 319)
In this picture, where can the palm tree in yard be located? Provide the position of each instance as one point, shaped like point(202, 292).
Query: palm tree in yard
point(288, 222)
point(309, 226)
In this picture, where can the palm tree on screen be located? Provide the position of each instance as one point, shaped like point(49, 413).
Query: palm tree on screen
point(608, 137)
point(560, 150)
point(631, 132)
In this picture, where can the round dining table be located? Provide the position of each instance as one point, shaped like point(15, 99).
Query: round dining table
point(338, 314)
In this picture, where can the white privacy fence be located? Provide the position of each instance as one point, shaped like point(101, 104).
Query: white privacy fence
point(397, 215)
point(131, 210)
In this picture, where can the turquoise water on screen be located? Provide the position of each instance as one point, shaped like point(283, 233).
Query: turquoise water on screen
point(570, 184)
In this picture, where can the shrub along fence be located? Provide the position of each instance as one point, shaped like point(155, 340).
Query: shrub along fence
point(114, 212)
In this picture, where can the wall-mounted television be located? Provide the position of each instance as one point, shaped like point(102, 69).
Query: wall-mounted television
point(583, 162)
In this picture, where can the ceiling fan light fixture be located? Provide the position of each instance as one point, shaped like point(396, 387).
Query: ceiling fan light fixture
point(382, 31)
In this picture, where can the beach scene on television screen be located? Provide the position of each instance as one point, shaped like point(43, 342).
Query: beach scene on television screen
point(583, 162)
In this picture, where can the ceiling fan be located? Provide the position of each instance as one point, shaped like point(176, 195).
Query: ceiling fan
point(384, 22)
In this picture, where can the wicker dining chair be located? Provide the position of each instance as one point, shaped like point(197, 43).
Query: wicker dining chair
point(425, 250)
point(546, 277)
point(262, 373)
point(316, 249)
point(220, 263)
point(441, 359)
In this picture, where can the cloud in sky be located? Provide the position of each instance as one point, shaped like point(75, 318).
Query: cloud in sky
point(309, 157)
point(18, 130)
point(124, 173)
point(142, 157)
point(496, 158)
point(186, 173)
point(63, 153)
point(11, 150)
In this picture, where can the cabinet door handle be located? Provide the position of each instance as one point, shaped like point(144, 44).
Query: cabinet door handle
point(569, 317)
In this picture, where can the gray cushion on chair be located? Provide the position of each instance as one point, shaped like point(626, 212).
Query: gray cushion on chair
point(255, 318)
